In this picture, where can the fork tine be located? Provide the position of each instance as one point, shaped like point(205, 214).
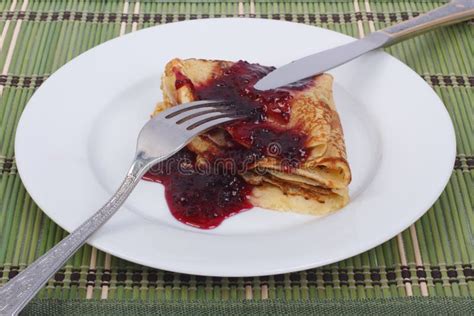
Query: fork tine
point(211, 124)
point(181, 108)
point(188, 115)
point(205, 122)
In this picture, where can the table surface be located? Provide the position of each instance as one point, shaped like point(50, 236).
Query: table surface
point(434, 257)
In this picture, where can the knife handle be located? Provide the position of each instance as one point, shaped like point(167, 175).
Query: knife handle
point(453, 12)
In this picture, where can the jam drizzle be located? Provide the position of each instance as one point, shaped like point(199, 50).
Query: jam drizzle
point(204, 197)
point(196, 196)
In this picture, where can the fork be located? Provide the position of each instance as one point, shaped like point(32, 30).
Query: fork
point(180, 124)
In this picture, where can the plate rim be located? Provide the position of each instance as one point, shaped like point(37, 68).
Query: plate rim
point(160, 265)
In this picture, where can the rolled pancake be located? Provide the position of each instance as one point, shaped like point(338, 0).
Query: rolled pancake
point(318, 184)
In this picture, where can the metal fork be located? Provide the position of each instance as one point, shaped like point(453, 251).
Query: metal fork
point(161, 137)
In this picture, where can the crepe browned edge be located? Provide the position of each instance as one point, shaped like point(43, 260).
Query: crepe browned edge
point(319, 184)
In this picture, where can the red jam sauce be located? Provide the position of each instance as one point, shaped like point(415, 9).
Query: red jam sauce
point(197, 197)
point(204, 197)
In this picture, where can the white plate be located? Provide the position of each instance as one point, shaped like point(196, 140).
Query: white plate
point(76, 138)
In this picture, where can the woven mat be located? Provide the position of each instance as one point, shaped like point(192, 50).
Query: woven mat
point(434, 257)
point(390, 306)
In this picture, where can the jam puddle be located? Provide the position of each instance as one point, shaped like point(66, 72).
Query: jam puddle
point(204, 196)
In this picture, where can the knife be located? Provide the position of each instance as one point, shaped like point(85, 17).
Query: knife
point(453, 12)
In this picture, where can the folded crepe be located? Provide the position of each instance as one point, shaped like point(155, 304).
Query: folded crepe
point(316, 184)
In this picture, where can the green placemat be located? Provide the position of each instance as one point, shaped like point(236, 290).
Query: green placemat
point(392, 306)
point(434, 257)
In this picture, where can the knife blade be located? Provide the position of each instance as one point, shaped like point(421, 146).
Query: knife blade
point(453, 12)
point(322, 61)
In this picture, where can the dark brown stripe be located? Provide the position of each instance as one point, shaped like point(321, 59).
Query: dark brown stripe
point(295, 278)
point(137, 277)
point(310, 277)
point(436, 275)
point(75, 277)
point(12, 274)
point(343, 278)
point(22, 81)
point(470, 162)
point(97, 17)
point(59, 278)
point(468, 272)
point(421, 274)
point(106, 277)
point(452, 274)
point(121, 277)
point(376, 277)
point(6, 166)
point(153, 277)
point(390, 16)
point(464, 162)
point(449, 80)
point(406, 274)
point(91, 277)
point(391, 276)
point(201, 280)
point(106, 17)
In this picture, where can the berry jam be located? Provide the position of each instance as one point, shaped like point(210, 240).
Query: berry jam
point(181, 81)
point(204, 196)
point(236, 86)
point(199, 197)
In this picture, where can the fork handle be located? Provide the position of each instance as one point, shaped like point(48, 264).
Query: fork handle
point(19, 291)
point(453, 12)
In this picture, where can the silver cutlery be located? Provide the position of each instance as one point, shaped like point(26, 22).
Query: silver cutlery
point(453, 12)
point(161, 137)
point(169, 131)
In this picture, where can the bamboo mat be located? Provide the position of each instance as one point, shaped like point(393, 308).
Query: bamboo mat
point(434, 257)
